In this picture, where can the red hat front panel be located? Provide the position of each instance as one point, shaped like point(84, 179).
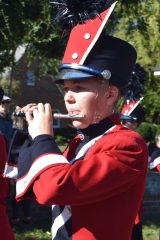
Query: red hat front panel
point(129, 107)
point(84, 36)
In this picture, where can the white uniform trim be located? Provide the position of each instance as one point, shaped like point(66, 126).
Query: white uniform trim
point(97, 34)
point(132, 109)
point(61, 219)
point(39, 164)
point(88, 145)
point(154, 163)
point(10, 171)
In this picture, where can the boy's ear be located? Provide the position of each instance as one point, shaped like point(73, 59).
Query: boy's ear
point(112, 92)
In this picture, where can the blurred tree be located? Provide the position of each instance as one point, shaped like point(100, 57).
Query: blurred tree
point(138, 22)
point(29, 22)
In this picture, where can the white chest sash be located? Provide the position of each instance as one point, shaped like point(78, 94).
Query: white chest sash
point(89, 144)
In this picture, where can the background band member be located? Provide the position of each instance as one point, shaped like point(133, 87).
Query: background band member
point(5, 229)
point(5, 120)
point(132, 115)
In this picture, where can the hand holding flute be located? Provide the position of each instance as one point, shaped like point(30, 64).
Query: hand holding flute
point(40, 118)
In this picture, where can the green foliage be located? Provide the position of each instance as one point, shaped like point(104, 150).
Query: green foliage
point(150, 232)
point(148, 131)
point(138, 22)
point(5, 83)
point(151, 101)
point(63, 136)
point(35, 234)
point(151, 228)
point(28, 22)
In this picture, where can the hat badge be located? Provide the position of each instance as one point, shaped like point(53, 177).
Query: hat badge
point(106, 74)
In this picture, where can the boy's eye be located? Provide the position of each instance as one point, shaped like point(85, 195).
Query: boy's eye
point(79, 88)
point(74, 89)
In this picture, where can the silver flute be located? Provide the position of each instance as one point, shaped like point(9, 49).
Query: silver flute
point(55, 115)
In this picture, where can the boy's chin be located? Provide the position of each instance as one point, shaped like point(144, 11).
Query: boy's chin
point(79, 124)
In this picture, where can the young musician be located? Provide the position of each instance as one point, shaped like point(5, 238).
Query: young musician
point(96, 186)
point(154, 163)
point(5, 229)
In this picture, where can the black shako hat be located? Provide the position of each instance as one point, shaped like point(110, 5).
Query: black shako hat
point(90, 53)
point(133, 112)
point(138, 115)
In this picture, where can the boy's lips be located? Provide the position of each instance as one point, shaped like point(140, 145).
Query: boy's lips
point(74, 112)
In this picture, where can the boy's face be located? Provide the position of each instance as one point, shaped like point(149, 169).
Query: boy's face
point(86, 97)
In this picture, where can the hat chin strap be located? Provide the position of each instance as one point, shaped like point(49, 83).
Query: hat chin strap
point(105, 74)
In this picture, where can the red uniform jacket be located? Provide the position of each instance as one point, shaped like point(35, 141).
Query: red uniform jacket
point(101, 181)
point(5, 229)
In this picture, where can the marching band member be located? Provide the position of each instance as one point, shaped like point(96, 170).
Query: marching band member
point(154, 163)
point(132, 114)
point(5, 228)
point(96, 186)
